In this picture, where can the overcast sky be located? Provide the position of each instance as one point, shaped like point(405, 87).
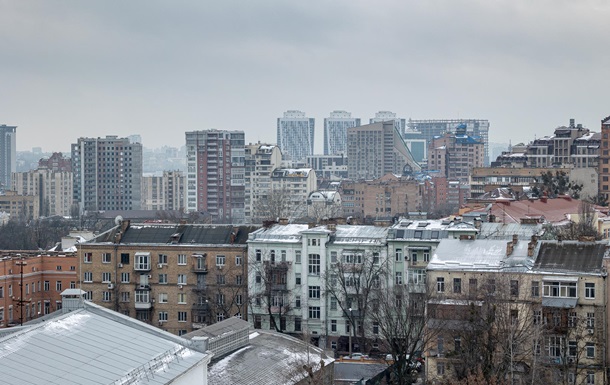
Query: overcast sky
point(160, 68)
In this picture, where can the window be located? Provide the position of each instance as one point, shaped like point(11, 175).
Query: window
point(375, 327)
point(88, 258)
point(162, 316)
point(514, 288)
point(297, 278)
point(427, 256)
point(142, 296)
point(106, 277)
point(220, 316)
point(258, 278)
point(297, 256)
point(352, 258)
point(590, 349)
point(414, 256)
point(440, 284)
point(220, 299)
point(590, 378)
point(399, 277)
point(590, 320)
point(440, 345)
point(297, 301)
point(559, 289)
point(181, 298)
point(238, 279)
point(106, 258)
point(457, 285)
point(220, 279)
point(162, 297)
point(333, 345)
point(163, 279)
point(314, 312)
point(333, 303)
point(472, 286)
point(457, 344)
point(182, 259)
point(181, 279)
point(47, 287)
point(124, 277)
point(258, 255)
point(535, 289)
point(89, 296)
point(106, 296)
point(348, 326)
point(297, 324)
point(58, 285)
point(537, 317)
point(554, 344)
point(238, 299)
point(2, 291)
point(220, 260)
point(333, 325)
point(314, 292)
point(590, 290)
point(142, 261)
point(572, 319)
point(181, 316)
point(314, 264)
point(163, 259)
point(440, 368)
point(572, 348)
point(124, 296)
point(333, 257)
point(125, 258)
point(238, 260)
point(398, 255)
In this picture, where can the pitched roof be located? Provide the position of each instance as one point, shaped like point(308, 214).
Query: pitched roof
point(571, 256)
point(94, 345)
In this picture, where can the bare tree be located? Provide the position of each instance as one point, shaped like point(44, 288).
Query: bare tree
point(270, 288)
point(354, 279)
point(272, 204)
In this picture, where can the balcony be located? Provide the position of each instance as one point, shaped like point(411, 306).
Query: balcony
point(142, 286)
point(142, 267)
point(143, 305)
point(199, 288)
point(199, 268)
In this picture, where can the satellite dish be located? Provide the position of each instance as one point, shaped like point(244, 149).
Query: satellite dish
point(118, 220)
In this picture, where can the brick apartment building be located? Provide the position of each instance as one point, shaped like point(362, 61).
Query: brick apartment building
point(175, 276)
point(45, 276)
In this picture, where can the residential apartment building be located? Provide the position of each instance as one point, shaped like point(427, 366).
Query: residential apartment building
point(215, 180)
point(295, 135)
point(384, 197)
point(260, 161)
point(176, 277)
point(289, 267)
point(335, 132)
point(45, 276)
point(20, 207)
point(8, 154)
point(443, 196)
point(164, 192)
point(389, 116)
point(513, 300)
point(290, 188)
point(430, 128)
point(377, 149)
point(454, 155)
point(51, 184)
point(604, 160)
point(107, 173)
point(328, 167)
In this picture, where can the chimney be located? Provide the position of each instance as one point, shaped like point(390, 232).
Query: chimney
point(331, 227)
point(311, 225)
point(72, 299)
point(515, 239)
point(509, 248)
point(199, 343)
point(283, 221)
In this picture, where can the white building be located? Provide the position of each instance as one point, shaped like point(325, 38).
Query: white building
point(260, 161)
point(295, 184)
point(295, 135)
point(335, 132)
point(386, 116)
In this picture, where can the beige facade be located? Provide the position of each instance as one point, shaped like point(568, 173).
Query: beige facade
point(53, 189)
point(177, 284)
point(260, 160)
point(164, 192)
point(455, 155)
point(20, 207)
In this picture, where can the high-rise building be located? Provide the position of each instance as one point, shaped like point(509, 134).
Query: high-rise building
point(53, 189)
point(386, 116)
point(163, 192)
point(215, 181)
point(335, 132)
point(295, 135)
point(604, 160)
point(8, 155)
point(376, 149)
point(429, 128)
point(454, 155)
point(261, 160)
point(107, 173)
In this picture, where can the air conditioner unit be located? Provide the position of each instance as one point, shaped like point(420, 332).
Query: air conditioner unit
point(160, 265)
point(120, 265)
point(149, 276)
point(407, 258)
point(570, 360)
point(220, 267)
point(180, 286)
point(591, 331)
point(161, 322)
point(111, 286)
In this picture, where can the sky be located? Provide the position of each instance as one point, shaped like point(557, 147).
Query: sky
point(158, 68)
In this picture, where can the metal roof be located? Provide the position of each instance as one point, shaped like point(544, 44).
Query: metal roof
point(93, 345)
point(566, 256)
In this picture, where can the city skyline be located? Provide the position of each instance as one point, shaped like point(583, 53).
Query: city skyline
point(88, 70)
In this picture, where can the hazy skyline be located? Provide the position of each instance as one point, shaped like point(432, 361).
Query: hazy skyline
point(159, 68)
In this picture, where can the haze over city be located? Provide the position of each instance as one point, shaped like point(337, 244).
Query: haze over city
point(158, 69)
